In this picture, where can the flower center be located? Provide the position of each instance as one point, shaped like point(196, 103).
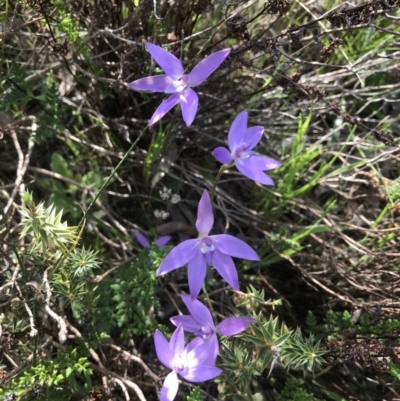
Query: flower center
point(180, 363)
point(206, 245)
point(242, 152)
point(207, 248)
point(179, 85)
point(206, 332)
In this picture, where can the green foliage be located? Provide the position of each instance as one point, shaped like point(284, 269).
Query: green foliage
point(127, 301)
point(64, 195)
point(66, 372)
point(294, 391)
point(304, 353)
point(394, 369)
point(48, 232)
point(268, 342)
point(18, 94)
point(338, 322)
point(195, 395)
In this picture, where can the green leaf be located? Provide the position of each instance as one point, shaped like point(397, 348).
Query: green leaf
point(60, 166)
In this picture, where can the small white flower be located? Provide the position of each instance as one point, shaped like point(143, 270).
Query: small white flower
point(165, 193)
point(175, 198)
point(161, 214)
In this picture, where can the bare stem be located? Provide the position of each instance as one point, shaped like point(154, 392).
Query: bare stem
point(221, 170)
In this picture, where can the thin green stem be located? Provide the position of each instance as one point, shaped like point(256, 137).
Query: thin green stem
point(218, 177)
point(110, 177)
point(168, 136)
point(106, 182)
point(208, 300)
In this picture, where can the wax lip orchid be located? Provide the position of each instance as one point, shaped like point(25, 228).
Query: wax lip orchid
point(201, 323)
point(194, 362)
point(176, 83)
point(241, 141)
point(216, 250)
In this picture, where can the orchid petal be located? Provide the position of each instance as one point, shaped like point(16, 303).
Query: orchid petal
point(229, 245)
point(201, 373)
point(196, 274)
point(142, 239)
point(160, 242)
point(166, 60)
point(163, 349)
point(170, 387)
point(189, 104)
point(252, 136)
point(253, 173)
point(188, 323)
point(194, 343)
point(198, 311)
point(179, 256)
point(234, 325)
point(156, 83)
point(222, 155)
point(177, 341)
point(205, 215)
point(261, 162)
point(213, 350)
point(207, 66)
point(164, 108)
point(237, 131)
point(226, 268)
point(204, 354)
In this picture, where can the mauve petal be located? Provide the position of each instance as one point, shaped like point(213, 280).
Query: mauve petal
point(226, 268)
point(188, 323)
point(194, 343)
point(162, 240)
point(178, 256)
point(205, 215)
point(234, 325)
point(189, 103)
point(163, 350)
point(170, 387)
point(142, 239)
point(253, 136)
point(198, 311)
point(156, 83)
point(196, 274)
point(222, 155)
point(201, 373)
point(207, 66)
point(237, 131)
point(204, 354)
point(164, 108)
point(232, 246)
point(177, 341)
point(167, 61)
point(252, 173)
point(212, 353)
point(261, 162)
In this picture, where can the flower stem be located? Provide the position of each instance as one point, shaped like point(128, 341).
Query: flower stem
point(218, 177)
point(168, 136)
point(208, 299)
point(110, 177)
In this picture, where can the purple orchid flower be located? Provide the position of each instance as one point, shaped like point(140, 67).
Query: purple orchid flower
point(177, 83)
point(241, 141)
point(193, 362)
point(201, 323)
point(160, 242)
point(216, 250)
